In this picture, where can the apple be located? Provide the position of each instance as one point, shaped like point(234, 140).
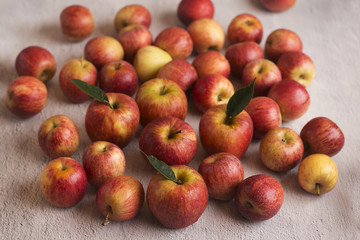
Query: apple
point(191, 10)
point(245, 27)
point(264, 71)
point(132, 38)
point(281, 149)
point(317, 174)
point(180, 204)
point(76, 22)
point(280, 41)
point(63, 182)
point(120, 198)
point(160, 97)
point(297, 66)
point(322, 135)
point(132, 14)
point(26, 96)
point(103, 49)
point(239, 54)
point(277, 5)
point(259, 197)
point(211, 90)
point(77, 69)
point(117, 125)
point(207, 34)
point(103, 160)
point(179, 71)
point(211, 62)
point(176, 41)
point(293, 99)
point(37, 62)
point(148, 61)
point(118, 76)
point(222, 173)
point(58, 136)
point(265, 114)
point(169, 139)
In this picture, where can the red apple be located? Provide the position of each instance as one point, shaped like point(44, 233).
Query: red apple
point(177, 205)
point(277, 5)
point(26, 96)
point(259, 197)
point(37, 62)
point(132, 14)
point(222, 173)
point(245, 27)
point(63, 182)
point(211, 62)
point(191, 10)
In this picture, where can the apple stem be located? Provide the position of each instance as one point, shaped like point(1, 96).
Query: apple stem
point(163, 90)
point(228, 120)
point(82, 61)
point(318, 189)
point(171, 135)
point(106, 221)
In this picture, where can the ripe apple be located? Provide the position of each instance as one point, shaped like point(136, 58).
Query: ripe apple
point(281, 149)
point(160, 97)
point(191, 10)
point(317, 174)
point(76, 22)
point(149, 60)
point(117, 125)
point(245, 27)
point(293, 99)
point(259, 197)
point(211, 62)
point(63, 182)
point(222, 173)
point(179, 71)
point(177, 205)
point(26, 96)
point(37, 62)
point(239, 54)
point(322, 135)
point(176, 41)
point(264, 71)
point(120, 198)
point(118, 76)
point(132, 14)
point(277, 5)
point(77, 69)
point(58, 136)
point(211, 90)
point(103, 160)
point(297, 66)
point(265, 114)
point(207, 34)
point(169, 139)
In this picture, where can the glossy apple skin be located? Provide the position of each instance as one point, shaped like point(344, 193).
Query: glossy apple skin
point(245, 27)
point(76, 22)
point(176, 41)
point(281, 149)
point(63, 182)
point(160, 97)
point(259, 197)
point(103, 160)
point(191, 10)
point(120, 198)
point(169, 139)
point(37, 62)
point(77, 69)
point(211, 90)
point(317, 170)
point(211, 62)
point(26, 96)
point(322, 135)
point(58, 136)
point(117, 125)
point(277, 5)
point(132, 14)
point(163, 196)
point(235, 136)
point(265, 114)
point(222, 173)
point(118, 76)
point(293, 99)
point(239, 54)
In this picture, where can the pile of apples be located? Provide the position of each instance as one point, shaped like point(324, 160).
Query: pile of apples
point(158, 73)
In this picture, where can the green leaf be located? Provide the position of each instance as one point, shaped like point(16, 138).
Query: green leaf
point(239, 100)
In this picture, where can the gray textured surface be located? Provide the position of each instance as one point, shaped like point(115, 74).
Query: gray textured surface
point(331, 37)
